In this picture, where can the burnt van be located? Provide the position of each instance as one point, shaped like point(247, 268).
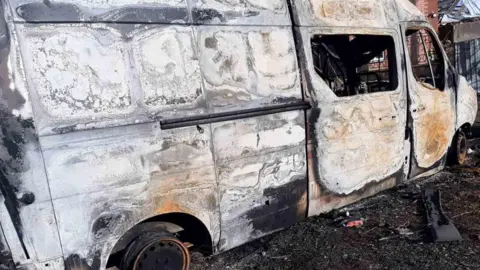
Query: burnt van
point(135, 131)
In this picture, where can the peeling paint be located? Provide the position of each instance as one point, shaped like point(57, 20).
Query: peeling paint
point(75, 81)
point(85, 87)
point(241, 65)
point(168, 60)
point(355, 13)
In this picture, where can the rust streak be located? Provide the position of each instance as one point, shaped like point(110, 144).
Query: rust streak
point(169, 206)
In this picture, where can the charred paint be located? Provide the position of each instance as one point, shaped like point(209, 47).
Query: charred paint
point(467, 104)
point(433, 124)
point(65, 129)
point(281, 207)
point(65, 12)
point(207, 15)
point(76, 262)
point(241, 179)
point(272, 12)
point(6, 260)
point(15, 133)
point(355, 143)
point(261, 166)
point(106, 225)
point(49, 11)
point(323, 199)
point(417, 171)
point(327, 201)
point(354, 13)
point(247, 68)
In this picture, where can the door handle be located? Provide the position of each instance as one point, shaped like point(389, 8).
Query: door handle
point(419, 109)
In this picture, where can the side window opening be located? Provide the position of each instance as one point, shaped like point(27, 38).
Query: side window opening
point(355, 64)
point(426, 58)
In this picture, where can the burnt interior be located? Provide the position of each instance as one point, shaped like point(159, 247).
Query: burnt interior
point(355, 64)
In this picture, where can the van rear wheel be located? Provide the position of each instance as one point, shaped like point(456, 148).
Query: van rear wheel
point(458, 151)
point(156, 250)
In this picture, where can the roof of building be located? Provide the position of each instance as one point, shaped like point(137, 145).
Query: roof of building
point(458, 10)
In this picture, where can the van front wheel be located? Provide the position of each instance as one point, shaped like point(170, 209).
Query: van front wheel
point(458, 150)
point(156, 250)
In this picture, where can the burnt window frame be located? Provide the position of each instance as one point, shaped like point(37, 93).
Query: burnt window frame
point(440, 53)
point(394, 58)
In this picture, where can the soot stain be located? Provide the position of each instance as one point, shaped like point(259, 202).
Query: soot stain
point(75, 262)
point(47, 11)
point(207, 15)
point(106, 224)
point(280, 209)
point(15, 133)
point(6, 260)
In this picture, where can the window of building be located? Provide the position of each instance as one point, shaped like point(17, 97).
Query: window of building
point(356, 64)
point(426, 58)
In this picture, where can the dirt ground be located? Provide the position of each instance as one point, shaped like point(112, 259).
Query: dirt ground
point(393, 234)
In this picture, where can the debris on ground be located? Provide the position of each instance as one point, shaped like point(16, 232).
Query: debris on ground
point(353, 223)
point(404, 231)
point(343, 218)
point(410, 191)
point(439, 227)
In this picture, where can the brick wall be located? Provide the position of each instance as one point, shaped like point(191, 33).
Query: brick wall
point(428, 7)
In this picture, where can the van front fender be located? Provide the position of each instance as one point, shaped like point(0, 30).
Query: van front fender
point(467, 105)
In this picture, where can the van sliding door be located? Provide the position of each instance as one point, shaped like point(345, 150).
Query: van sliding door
point(357, 123)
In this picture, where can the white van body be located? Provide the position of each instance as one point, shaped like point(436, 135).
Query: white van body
point(222, 120)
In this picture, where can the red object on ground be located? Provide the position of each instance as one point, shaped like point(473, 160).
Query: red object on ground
point(354, 223)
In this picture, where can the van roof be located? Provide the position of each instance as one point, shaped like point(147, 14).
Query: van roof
point(356, 13)
point(368, 13)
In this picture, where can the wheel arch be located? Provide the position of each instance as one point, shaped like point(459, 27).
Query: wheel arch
point(187, 227)
point(466, 128)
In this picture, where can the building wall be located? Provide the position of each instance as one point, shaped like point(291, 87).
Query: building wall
point(428, 7)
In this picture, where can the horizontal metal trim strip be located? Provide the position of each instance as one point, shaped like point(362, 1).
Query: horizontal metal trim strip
point(231, 115)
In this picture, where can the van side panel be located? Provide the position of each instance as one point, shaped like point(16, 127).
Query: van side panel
point(100, 92)
point(106, 181)
point(261, 168)
point(467, 104)
point(27, 216)
point(260, 161)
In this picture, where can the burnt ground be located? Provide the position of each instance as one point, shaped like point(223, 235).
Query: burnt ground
point(393, 235)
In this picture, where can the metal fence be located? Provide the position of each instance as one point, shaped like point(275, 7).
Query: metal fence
point(467, 59)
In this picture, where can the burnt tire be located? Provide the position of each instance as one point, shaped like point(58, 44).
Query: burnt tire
point(458, 150)
point(156, 250)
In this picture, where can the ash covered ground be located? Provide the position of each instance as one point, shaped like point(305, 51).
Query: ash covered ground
point(393, 235)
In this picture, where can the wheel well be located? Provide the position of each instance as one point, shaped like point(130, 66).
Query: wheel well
point(467, 129)
point(186, 227)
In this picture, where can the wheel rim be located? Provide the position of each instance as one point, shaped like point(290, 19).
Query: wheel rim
point(462, 150)
point(168, 253)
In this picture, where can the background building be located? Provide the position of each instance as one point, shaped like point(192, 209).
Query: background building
point(430, 9)
point(460, 33)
